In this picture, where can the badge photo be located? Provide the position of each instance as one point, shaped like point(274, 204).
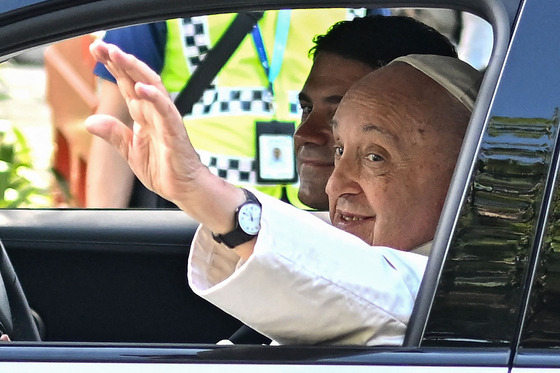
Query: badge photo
point(276, 162)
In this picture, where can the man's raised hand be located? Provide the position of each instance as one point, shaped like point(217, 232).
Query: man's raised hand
point(157, 148)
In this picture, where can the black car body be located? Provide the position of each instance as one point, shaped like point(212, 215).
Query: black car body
point(110, 284)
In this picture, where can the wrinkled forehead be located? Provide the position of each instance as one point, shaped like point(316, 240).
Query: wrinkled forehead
point(397, 86)
point(395, 78)
point(397, 98)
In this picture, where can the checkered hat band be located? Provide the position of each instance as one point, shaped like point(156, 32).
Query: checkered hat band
point(236, 170)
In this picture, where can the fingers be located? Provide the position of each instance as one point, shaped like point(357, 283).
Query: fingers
point(4, 338)
point(157, 148)
point(125, 68)
point(137, 70)
point(111, 130)
point(137, 82)
point(165, 117)
point(100, 51)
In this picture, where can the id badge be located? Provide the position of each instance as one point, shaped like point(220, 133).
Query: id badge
point(276, 161)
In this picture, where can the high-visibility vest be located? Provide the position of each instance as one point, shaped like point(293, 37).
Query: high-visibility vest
point(222, 124)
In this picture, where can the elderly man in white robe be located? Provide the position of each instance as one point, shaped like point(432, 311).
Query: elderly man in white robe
point(280, 270)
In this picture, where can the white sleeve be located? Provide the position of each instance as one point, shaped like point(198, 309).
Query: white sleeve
point(308, 282)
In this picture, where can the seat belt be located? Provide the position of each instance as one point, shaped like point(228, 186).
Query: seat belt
point(214, 60)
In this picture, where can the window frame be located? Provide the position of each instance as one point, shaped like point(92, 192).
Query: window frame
point(92, 15)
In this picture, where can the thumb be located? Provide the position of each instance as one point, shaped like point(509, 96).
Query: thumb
point(111, 130)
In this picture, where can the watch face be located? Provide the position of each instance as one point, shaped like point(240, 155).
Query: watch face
point(249, 218)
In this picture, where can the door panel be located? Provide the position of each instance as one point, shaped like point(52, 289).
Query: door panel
point(256, 358)
point(110, 275)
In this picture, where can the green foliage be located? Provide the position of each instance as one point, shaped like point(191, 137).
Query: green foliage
point(18, 178)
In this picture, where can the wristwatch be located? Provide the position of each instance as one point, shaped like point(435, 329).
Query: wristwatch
point(247, 223)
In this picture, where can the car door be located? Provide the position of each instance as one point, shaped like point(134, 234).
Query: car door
point(497, 284)
point(114, 276)
point(536, 346)
point(101, 263)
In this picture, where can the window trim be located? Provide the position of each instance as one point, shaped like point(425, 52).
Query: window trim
point(501, 21)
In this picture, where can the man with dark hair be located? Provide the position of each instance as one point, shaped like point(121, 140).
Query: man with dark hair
point(377, 40)
point(346, 53)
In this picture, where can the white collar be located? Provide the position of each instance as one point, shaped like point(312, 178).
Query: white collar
point(423, 249)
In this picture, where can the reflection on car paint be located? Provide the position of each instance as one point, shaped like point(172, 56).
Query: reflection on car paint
point(484, 275)
point(542, 322)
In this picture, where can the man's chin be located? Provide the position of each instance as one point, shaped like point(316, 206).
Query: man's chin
point(367, 238)
point(313, 195)
point(310, 197)
point(362, 228)
point(314, 202)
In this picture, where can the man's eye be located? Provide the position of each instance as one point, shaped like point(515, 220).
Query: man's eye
point(375, 158)
point(305, 110)
point(338, 150)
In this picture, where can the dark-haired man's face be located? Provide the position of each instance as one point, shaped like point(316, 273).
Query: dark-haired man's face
point(329, 79)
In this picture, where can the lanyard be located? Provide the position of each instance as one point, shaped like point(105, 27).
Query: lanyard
point(273, 69)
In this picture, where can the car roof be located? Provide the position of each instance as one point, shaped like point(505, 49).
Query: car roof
point(34, 22)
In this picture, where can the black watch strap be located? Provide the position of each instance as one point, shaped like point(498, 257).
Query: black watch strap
point(237, 236)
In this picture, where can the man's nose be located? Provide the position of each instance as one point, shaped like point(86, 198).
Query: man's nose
point(344, 179)
point(314, 129)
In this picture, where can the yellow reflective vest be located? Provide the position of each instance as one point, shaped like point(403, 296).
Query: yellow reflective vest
point(222, 124)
